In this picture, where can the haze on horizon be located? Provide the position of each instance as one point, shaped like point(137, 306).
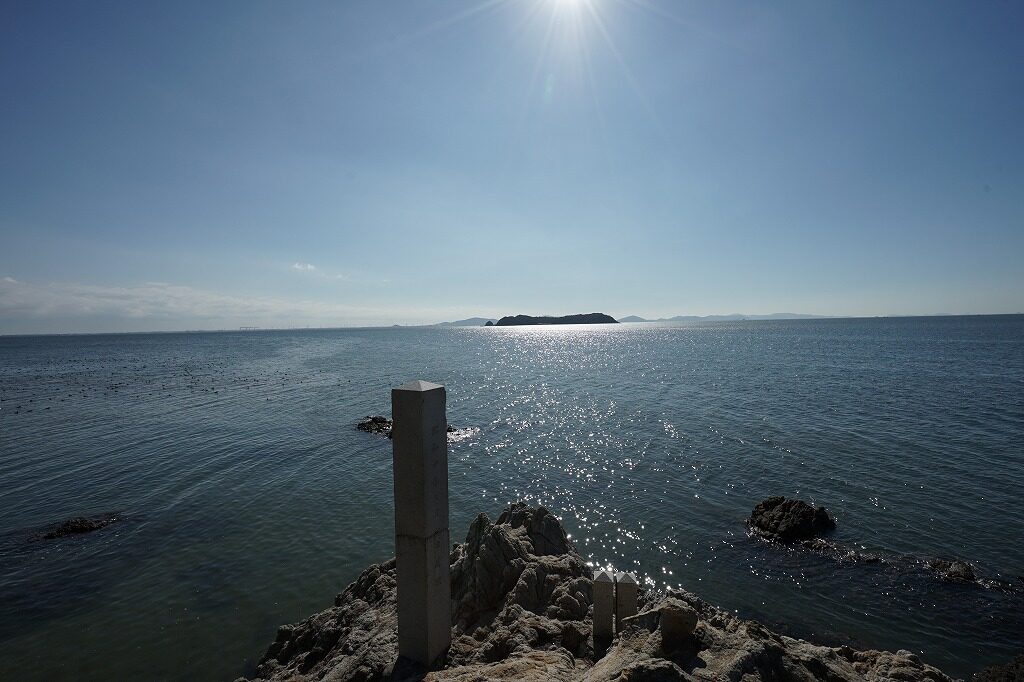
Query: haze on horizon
point(194, 165)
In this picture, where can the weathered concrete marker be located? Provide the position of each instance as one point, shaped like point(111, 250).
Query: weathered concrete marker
point(604, 606)
point(625, 598)
point(420, 460)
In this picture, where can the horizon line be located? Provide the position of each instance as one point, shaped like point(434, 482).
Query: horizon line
point(251, 329)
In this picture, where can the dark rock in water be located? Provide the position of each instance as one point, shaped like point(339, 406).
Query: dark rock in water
point(488, 324)
point(80, 525)
point(384, 426)
point(1011, 672)
point(583, 318)
point(796, 522)
point(376, 424)
point(777, 518)
point(521, 610)
point(953, 571)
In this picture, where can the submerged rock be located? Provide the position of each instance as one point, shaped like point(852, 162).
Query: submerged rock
point(796, 522)
point(953, 571)
point(783, 520)
point(522, 610)
point(79, 525)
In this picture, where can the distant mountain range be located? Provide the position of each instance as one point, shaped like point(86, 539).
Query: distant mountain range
point(469, 322)
point(726, 318)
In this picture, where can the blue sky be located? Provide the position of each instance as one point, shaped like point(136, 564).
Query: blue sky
point(212, 165)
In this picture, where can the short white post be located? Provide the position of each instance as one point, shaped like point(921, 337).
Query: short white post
point(625, 598)
point(604, 606)
point(420, 460)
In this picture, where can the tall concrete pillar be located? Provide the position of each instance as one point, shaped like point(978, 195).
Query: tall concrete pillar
point(625, 598)
point(604, 607)
point(420, 459)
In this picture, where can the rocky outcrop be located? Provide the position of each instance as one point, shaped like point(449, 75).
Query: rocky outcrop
point(384, 426)
point(777, 518)
point(376, 424)
point(79, 525)
point(652, 646)
point(521, 610)
point(1011, 672)
point(583, 318)
point(796, 522)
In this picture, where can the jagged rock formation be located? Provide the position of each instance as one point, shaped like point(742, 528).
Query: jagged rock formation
point(777, 518)
point(521, 610)
point(583, 318)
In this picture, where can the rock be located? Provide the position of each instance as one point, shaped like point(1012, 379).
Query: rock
point(1011, 672)
point(946, 570)
point(723, 647)
point(488, 323)
point(80, 525)
point(953, 571)
point(673, 618)
point(384, 426)
point(777, 518)
point(522, 601)
point(677, 623)
point(376, 424)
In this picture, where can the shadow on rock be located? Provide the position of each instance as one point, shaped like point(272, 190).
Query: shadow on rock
point(522, 610)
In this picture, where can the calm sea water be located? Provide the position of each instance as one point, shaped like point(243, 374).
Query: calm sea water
point(250, 499)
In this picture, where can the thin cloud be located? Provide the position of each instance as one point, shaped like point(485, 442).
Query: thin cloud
point(160, 300)
point(330, 275)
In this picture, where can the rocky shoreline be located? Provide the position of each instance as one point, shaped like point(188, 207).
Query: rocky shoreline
point(521, 610)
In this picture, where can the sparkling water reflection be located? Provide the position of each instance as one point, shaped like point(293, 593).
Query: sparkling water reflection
point(251, 499)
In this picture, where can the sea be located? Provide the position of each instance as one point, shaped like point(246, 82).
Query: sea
point(248, 498)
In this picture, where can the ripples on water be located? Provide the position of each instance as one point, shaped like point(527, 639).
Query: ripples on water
point(251, 499)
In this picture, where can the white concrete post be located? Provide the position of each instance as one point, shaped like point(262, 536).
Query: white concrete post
point(625, 598)
point(604, 606)
point(420, 459)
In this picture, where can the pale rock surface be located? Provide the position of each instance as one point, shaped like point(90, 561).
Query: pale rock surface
point(521, 610)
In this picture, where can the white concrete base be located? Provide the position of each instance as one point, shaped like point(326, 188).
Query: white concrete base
point(420, 460)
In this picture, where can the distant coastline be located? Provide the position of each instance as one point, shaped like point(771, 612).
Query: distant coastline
point(472, 322)
point(733, 317)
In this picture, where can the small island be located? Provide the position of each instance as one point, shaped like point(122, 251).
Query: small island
point(582, 318)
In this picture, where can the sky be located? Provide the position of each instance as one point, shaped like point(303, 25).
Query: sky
point(197, 165)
